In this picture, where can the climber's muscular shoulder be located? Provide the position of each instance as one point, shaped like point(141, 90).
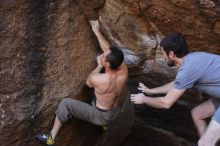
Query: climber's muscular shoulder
point(108, 86)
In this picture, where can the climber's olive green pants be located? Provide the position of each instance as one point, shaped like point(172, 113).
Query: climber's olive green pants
point(69, 108)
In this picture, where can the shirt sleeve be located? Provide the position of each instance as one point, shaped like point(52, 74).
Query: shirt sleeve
point(186, 78)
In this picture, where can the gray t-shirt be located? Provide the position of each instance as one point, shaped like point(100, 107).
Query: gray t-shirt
point(201, 70)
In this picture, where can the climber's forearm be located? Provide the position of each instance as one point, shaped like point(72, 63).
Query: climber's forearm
point(102, 41)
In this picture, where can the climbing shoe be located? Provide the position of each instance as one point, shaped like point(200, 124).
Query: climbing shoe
point(105, 127)
point(45, 138)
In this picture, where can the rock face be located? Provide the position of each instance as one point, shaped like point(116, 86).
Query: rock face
point(139, 25)
point(47, 50)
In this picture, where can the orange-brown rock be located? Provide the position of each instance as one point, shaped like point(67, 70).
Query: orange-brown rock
point(47, 51)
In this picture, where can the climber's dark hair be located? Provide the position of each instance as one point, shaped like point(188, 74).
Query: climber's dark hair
point(176, 43)
point(115, 57)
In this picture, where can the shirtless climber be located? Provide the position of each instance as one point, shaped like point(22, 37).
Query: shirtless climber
point(108, 86)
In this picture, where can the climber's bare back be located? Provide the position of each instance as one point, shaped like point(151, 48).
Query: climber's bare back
point(108, 86)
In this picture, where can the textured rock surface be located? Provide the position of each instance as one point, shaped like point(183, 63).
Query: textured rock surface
point(47, 50)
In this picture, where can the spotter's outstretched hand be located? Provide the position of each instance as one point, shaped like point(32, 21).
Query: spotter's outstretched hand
point(137, 98)
point(144, 88)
